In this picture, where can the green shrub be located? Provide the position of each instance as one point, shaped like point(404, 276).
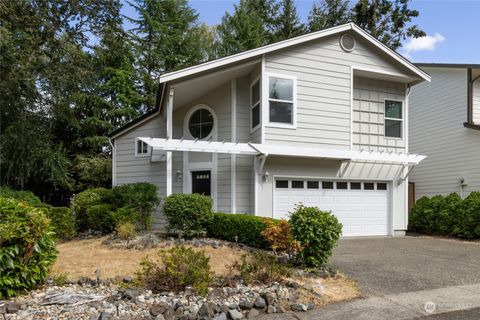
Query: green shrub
point(27, 247)
point(126, 230)
point(178, 268)
point(63, 222)
point(130, 215)
point(24, 196)
point(84, 201)
point(187, 213)
point(244, 228)
point(317, 231)
point(468, 217)
point(261, 267)
point(100, 218)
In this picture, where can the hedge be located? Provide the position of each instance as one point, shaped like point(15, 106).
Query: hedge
point(187, 213)
point(448, 215)
point(244, 228)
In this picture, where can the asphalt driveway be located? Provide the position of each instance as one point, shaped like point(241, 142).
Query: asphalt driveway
point(392, 265)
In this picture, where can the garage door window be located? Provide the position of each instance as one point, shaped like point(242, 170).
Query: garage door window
point(381, 186)
point(355, 185)
point(281, 184)
point(369, 186)
point(296, 184)
point(342, 185)
point(327, 185)
point(313, 185)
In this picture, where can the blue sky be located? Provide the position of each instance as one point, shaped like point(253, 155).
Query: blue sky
point(452, 27)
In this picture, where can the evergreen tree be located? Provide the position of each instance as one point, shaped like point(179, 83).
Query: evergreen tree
point(328, 13)
point(287, 22)
point(166, 38)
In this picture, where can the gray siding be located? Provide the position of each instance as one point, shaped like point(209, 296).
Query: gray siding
point(369, 114)
point(130, 169)
point(323, 72)
point(476, 101)
point(437, 113)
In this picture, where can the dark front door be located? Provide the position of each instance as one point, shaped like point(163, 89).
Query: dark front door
point(201, 182)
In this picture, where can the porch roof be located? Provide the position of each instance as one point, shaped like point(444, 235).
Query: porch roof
point(256, 149)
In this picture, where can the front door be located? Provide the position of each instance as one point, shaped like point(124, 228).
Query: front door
point(201, 181)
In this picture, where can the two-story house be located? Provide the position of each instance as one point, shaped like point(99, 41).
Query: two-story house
point(445, 126)
point(320, 119)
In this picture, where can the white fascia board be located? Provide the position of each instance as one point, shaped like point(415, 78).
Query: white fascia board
point(291, 42)
point(200, 146)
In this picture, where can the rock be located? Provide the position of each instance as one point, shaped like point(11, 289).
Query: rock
point(158, 308)
point(141, 298)
point(269, 298)
point(197, 243)
point(270, 309)
point(131, 294)
point(252, 314)
point(205, 311)
point(169, 314)
point(279, 309)
point(160, 317)
point(105, 316)
point(245, 305)
point(235, 314)
point(221, 316)
point(12, 307)
point(215, 294)
point(127, 279)
point(298, 307)
point(233, 305)
point(311, 305)
point(216, 244)
point(3, 308)
point(260, 303)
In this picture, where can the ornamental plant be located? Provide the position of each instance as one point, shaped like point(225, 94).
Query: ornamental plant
point(279, 235)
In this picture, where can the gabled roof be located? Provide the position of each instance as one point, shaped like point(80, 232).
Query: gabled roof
point(448, 65)
point(175, 75)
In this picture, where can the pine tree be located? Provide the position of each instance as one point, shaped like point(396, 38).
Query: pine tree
point(287, 22)
point(328, 13)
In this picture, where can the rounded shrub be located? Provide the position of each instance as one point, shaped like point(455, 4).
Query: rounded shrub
point(317, 231)
point(187, 213)
point(83, 201)
point(27, 247)
point(24, 196)
point(63, 222)
point(468, 217)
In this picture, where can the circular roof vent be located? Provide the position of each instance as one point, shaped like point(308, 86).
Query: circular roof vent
point(347, 42)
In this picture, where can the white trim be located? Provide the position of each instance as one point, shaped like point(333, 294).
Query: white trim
point(233, 157)
point(114, 162)
point(351, 107)
point(186, 131)
point(259, 103)
point(255, 182)
point(380, 71)
point(168, 173)
point(264, 93)
point(354, 42)
point(406, 111)
point(293, 124)
point(291, 42)
point(402, 126)
point(134, 125)
point(141, 155)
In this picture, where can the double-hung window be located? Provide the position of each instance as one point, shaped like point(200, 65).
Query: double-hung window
point(281, 100)
point(255, 98)
point(141, 149)
point(393, 118)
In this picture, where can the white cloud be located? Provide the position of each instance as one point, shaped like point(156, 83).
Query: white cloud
point(424, 43)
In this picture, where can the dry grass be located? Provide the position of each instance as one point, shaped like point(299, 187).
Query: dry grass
point(83, 257)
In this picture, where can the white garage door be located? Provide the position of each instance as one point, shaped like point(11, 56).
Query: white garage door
point(362, 207)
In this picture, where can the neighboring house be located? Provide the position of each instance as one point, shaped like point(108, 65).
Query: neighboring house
point(445, 126)
point(320, 119)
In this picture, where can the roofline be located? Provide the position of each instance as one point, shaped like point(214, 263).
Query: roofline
point(448, 65)
point(206, 66)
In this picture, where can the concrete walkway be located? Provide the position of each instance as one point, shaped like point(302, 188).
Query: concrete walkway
point(408, 305)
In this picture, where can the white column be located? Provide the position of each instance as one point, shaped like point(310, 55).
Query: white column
point(169, 136)
point(233, 163)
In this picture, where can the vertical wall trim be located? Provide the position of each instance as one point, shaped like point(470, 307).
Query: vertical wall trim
point(233, 163)
point(255, 196)
point(469, 96)
point(169, 136)
point(114, 163)
point(263, 101)
point(351, 108)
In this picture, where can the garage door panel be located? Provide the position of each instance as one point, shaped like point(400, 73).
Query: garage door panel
point(361, 212)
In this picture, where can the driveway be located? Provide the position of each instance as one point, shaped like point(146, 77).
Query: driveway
point(394, 265)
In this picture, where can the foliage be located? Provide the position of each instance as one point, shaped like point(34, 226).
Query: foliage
point(279, 236)
point(27, 247)
point(242, 228)
point(24, 196)
point(261, 267)
point(100, 217)
point(83, 201)
point(60, 279)
point(317, 231)
point(178, 268)
point(328, 13)
point(62, 221)
point(467, 220)
point(126, 230)
point(187, 213)
point(93, 171)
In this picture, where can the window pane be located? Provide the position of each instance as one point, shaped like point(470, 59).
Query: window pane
point(206, 116)
point(256, 92)
point(200, 123)
point(281, 89)
point(312, 184)
point(327, 185)
point(281, 112)
point(381, 186)
point(368, 185)
point(281, 184)
point(256, 116)
point(393, 109)
point(355, 185)
point(393, 128)
point(139, 146)
point(297, 184)
point(144, 147)
point(342, 185)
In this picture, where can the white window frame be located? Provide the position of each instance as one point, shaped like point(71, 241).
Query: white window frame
point(402, 120)
point(259, 103)
point(266, 92)
point(140, 155)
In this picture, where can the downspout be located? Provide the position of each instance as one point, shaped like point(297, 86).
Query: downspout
point(113, 161)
